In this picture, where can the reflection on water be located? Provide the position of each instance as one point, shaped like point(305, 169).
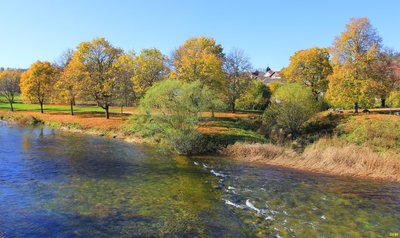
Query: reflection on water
point(55, 184)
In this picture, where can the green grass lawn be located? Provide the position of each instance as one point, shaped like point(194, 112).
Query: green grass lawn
point(35, 107)
point(19, 106)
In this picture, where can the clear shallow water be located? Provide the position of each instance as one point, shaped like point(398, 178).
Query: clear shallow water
point(56, 184)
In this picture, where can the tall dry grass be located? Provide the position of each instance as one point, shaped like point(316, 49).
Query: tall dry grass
point(323, 157)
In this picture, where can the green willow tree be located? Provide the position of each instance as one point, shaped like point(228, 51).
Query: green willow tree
point(173, 110)
point(291, 106)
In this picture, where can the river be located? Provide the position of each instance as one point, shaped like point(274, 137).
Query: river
point(60, 184)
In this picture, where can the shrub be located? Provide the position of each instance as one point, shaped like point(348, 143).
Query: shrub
point(378, 133)
point(291, 106)
point(22, 120)
point(394, 99)
point(186, 141)
point(256, 97)
point(273, 86)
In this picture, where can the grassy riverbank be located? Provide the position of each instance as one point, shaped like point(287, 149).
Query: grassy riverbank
point(364, 145)
point(223, 129)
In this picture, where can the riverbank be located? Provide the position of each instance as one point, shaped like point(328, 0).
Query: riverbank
point(364, 146)
point(225, 128)
point(84, 123)
point(345, 160)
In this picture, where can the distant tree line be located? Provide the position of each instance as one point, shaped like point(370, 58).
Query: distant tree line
point(357, 71)
point(97, 72)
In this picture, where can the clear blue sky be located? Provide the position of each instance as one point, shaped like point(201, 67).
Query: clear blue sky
point(268, 31)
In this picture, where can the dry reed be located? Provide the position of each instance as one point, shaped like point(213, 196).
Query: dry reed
point(323, 157)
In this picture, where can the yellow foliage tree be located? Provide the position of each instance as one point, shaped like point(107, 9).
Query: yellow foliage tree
point(354, 53)
point(150, 67)
point(37, 83)
point(95, 61)
point(199, 59)
point(68, 85)
point(125, 70)
point(310, 67)
point(346, 90)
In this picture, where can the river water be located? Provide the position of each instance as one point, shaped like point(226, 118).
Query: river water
point(58, 184)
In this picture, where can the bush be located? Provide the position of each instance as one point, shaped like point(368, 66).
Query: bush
point(256, 97)
point(291, 106)
point(393, 99)
point(144, 126)
point(22, 120)
point(273, 86)
point(186, 141)
point(381, 133)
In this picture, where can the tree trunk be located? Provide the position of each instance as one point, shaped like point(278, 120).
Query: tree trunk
point(72, 107)
point(41, 107)
point(383, 102)
point(356, 107)
point(107, 113)
point(233, 107)
point(11, 106)
point(212, 113)
point(122, 109)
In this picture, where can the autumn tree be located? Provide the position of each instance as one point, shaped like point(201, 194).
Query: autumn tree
point(37, 83)
point(310, 67)
point(125, 70)
point(69, 84)
point(237, 67)
point(150, 67)
point(354, 52)
point(346, 90)
point(199, 59)
point(384, 71)
point(96, 62)
point(9, 85)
